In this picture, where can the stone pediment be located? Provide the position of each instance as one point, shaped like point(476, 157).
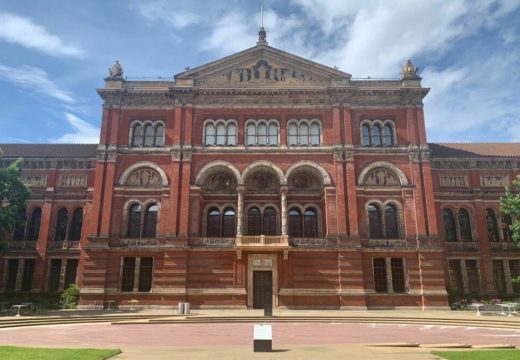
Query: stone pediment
point(262, 67)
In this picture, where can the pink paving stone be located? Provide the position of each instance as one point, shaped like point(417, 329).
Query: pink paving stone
point(106, 335)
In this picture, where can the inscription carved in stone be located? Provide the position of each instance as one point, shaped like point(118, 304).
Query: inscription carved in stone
point(144, 177)
point(35, 180)
point(73, 180)
point(453, 180)
point(381, 177)
point(494, 180)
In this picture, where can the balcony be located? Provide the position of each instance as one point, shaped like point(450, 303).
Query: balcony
point(309, 242)
point(262, 241)
point(384, 243)
point(503, 246)
point(137, 243)
point(463, 246)
point(20, 245)
point(63, 245)
point(218, 241)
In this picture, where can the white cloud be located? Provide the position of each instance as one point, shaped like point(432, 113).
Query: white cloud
point(35, 80)
point(23, 31)
point(168, 13)
point(230, 34)
point(83, 132)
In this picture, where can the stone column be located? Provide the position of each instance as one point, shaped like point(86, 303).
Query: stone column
point(389, 283)
point(283, 206)
point(507, 276)
point(19, 275)
point(464, 273)
point(240, 209)
point(137, 273)
point(63, 270)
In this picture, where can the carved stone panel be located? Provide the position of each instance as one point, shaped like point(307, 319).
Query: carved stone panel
point(144, 177)
point(264, 73)
point(72, 180)
point(262, 182)
point(381, 177)
point(304, 182)
point(453, 180)
point(494, 180)
point(35, 180)
point(220, 182)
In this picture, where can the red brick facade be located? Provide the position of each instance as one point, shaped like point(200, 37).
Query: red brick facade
point(320, 249)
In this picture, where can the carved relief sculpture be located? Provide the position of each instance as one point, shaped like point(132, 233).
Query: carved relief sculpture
point(261, 182)
point(453, 180)
point(303, 182)
point(494, 181)
point(220, 182)
point(116, 71)
point(381, 177)
point(72, 181)
point(144, 177)
point(35, 180)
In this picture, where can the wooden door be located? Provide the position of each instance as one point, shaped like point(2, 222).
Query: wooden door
point(262, 289)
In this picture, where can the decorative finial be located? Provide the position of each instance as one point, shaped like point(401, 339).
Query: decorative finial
point(116, 71)
point(409, 72)
point(261, 33)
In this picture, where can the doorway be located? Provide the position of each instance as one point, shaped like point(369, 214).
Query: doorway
point(262, 289)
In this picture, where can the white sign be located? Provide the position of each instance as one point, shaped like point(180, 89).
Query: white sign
point(263, 332)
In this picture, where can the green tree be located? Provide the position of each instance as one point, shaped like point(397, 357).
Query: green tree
point(13, 196)
point(510, 205)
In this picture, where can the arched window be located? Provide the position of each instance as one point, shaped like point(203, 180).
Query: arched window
point(61, 225)
point(134, 222)
point(464, 225)
point(292, 137)
point(159, 135)
point(254, 222)
point(295, 222)
point(148, 135)
point(310, 223)
point(376, 135)
point(228, 223)
point(232, 134)
point(213, 223)
point(304, 135)
point(210, 134)
point(449, 225)
point(150, 221)
point(19, 228)
point(365, 135)
point(75, 225)
point(270, 222)
point(391, 227)
point(273, 134)
point(137, 135)
point(374, 222)
point(315, 134)
point(262, 134)
point(221, 134)
point(506, 230)
point(388, 138)
point(33, 232)
point(251, 134)
point(492, 225)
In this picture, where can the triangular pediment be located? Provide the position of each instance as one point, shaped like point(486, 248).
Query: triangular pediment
point(262, 66)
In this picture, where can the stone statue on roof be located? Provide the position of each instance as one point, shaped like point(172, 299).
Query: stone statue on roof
point(409, 72)
point(116, 71)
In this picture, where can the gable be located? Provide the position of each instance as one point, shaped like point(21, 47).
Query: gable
point(262, 66)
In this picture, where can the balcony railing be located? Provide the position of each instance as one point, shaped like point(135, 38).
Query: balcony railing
point(137, 243)
point(309, 241)
point(21, 244)
point(504, 245)
point(262, 241)
point(218, 241)
point(384, 243)
point(463, 246)
point(63, 245)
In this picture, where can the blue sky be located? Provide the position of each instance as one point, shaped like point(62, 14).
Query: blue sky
point(54, 54)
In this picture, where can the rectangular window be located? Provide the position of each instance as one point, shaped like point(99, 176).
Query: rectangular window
point(54, 275)
point(12, 274)
point(514, 268)
point(145, 274)
point(28, 272)
point(128, 273)
point(498, 273)
point(380, 284)
point(398, 280)
point(70, 272)
point(473, 276)
point(455, 275)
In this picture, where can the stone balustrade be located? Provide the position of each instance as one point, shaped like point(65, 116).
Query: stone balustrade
point(463, 246)
point(504, 245)
point(262, 241)
point(384, 243)
point(21, 244)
